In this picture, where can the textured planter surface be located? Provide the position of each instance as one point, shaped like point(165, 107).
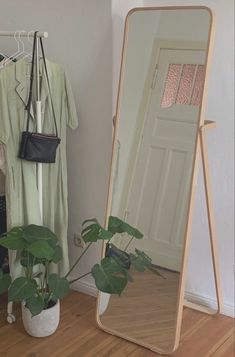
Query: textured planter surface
point(44, 324)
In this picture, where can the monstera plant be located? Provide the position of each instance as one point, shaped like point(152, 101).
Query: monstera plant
point(38, 248)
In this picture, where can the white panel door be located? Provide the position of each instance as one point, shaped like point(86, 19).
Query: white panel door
point(159, 191)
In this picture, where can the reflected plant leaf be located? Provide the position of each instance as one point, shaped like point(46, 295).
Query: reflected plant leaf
point(116, 225)
point(109, 276)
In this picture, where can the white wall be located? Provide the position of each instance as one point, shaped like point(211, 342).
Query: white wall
point(80, 38)
point(221, 148)
point(179, 25)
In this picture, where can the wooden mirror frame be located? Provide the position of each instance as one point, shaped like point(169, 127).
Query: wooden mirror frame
point(200, 149)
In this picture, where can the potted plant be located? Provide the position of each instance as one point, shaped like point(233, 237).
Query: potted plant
point(40, 291)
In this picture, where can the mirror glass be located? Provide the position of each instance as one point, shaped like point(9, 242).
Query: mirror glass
point(161, 89)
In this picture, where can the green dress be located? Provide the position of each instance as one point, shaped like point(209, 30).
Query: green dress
point(21, 175)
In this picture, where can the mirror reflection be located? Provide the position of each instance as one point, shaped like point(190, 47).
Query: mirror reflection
point(158, 115)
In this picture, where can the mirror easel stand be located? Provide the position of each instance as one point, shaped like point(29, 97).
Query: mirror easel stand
point(211, 223)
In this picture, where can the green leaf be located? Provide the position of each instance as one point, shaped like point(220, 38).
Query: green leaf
point(5, 282)
point(34, 233)
point(21, 289)
point(95, 232)
point(145, 258)
point(16, 231)
point(124, 257)
point(154, 270)
point(109, 277)
point(137, 263)
point(140, 261)
point(14, 239)
point(92, 234)
point(57, 254)
point(41, 249)
point(28, 260)
point(90, 227)
point(58, 286)
point(89, 220)
point(35, 304)
point(52, 243)
point(106, 235)
point(128, 276)
point(37, 274)
point(123, 269)
point(116, 225)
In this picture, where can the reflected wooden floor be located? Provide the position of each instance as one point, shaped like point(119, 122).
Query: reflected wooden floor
point(146, 310)
point(79, 336)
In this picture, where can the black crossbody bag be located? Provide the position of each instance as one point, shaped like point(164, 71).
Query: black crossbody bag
point(38, 147)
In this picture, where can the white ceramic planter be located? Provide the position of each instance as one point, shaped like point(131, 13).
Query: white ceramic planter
point(44, 324)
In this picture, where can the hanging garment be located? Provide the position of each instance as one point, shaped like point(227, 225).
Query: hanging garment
point(2, 171)
point(21, 182)
point(2, 184)
point(2, 159)
point(3, 251)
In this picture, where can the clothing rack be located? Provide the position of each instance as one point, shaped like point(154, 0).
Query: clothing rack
point(10, 316)
point(38, 101)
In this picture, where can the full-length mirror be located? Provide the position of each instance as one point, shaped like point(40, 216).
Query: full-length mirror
point(158, 113)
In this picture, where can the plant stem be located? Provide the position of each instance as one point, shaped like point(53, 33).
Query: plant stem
point(46, 274)
point(28, 274)
point(80, 277)
point(129, 243)
point(46, 300)
point(42, 280)
point(78, 260)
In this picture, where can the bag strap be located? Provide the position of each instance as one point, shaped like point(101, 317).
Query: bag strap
point(28, 106)
point(48, 84)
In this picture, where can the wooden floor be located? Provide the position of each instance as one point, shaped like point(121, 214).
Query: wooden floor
point(146, 309)
point(78, 335)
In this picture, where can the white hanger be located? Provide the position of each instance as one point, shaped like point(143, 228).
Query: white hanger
point(7, 58)
point(17, 53)
point(3, 55)
point(22, 52)
point(29, 54)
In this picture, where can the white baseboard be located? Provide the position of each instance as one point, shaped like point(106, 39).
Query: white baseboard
point(85, 287)
point(228, 310)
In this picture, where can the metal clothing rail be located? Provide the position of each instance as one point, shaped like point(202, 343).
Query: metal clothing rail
point(11, 317)
point(23, 34)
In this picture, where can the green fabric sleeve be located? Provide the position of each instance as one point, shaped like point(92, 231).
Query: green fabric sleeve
point(4, 116)
point(70, 106)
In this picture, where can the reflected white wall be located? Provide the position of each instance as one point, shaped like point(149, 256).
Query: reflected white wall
point(141, 35)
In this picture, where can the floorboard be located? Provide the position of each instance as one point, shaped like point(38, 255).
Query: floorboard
point(79, 336)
